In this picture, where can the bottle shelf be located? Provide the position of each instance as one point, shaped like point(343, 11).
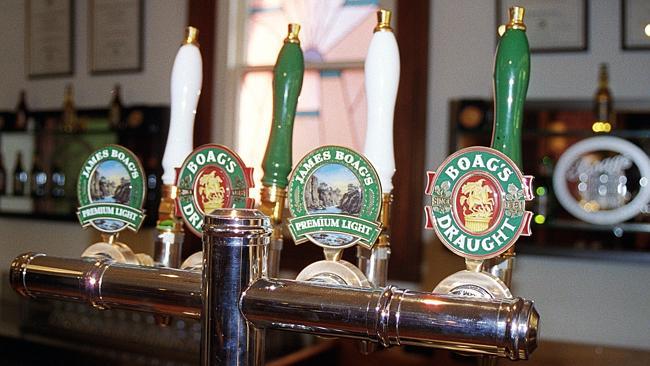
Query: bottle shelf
point(551, 127)
point(535, 134)
point(577, 225)
point(144, 134)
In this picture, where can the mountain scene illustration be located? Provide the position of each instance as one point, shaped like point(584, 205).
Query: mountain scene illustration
point(333, 189)
point(110, 183)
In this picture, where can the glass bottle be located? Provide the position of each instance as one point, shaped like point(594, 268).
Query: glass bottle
point(3, 177)
point(22, 114)
point(20, 176)
point(603, 103)
point(58, 182)
point(38, 181)
point(69, 116)
point(115, 110)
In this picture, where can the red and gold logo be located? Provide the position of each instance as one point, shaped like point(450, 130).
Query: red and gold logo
point(212, 177)
point(212, 189)
point(477, 203)
point(478, 198)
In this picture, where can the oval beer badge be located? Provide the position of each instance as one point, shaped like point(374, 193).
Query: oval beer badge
point(211, 177)
point(334, 198)
point(478, 198)
point(110, 190)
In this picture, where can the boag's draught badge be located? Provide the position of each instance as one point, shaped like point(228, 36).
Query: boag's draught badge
point(478, 198)
point(211, 177)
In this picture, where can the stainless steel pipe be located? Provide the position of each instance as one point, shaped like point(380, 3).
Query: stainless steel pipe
point(392, 316)
point(106, 284)
point(235, 248)
point(374, 264)
point(386, 315)
point(239, 302)
point(167, 247)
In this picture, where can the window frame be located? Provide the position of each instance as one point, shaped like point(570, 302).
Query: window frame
point(409, 127)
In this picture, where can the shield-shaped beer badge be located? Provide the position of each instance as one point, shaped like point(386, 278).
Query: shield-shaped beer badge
point(335, 198)
point(111, 190)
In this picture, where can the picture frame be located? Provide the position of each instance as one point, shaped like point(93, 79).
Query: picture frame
point(551, 25)
point(49, 46)
point(635, 25)
point(115, 36)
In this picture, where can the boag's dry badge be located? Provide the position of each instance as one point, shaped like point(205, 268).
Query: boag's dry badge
point(111, 190)
point(334, 198)
point(478, 198)
point(211, 177)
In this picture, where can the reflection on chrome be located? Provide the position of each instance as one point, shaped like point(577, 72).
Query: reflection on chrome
point(235, 296)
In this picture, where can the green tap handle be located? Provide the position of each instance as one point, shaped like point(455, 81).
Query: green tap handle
point(287, 83)
point(511, 75)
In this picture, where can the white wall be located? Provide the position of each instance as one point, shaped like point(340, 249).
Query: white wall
point(584, 301)
point(164, 23)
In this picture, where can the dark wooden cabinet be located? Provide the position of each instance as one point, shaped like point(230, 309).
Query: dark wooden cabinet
point(144, 131)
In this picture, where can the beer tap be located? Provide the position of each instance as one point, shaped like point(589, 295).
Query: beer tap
point(186, 79)
point(479, 194)
point(287, 83)
point(511, 76)
point(110, 192)
point(382, 69)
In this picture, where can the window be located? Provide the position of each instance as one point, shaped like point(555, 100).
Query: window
point(412, 32)
point(331, 109)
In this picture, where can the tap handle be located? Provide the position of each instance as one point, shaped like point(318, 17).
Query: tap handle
point(186, 79)
point(511, 75)
point(382, 70)
point(287, 83)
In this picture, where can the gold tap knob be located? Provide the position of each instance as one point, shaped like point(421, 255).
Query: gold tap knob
point(383, 21)
point(292, 36)
point(191, 36)
point(516, 18)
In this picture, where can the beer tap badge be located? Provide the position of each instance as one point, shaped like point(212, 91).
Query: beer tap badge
point(211, 177)
point(334, 198)
point(478, 198)
point(111, 190)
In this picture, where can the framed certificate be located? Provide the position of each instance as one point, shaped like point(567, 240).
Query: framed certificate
point(551, 25)
point(49, 35)
point(635, 25)
point(115, 42)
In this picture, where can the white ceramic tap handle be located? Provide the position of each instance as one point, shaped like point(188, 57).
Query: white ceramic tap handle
point(382, 70)
point(186, 79)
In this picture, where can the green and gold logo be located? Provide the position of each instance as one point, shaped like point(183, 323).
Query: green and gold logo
point(212, 177)
point(110, 190)
point(478, 199)
point(335, 198)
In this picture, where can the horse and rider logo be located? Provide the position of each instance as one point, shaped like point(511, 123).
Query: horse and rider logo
point(478, 201)
point(212, 177)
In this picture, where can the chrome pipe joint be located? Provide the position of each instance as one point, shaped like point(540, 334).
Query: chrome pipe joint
point(106, 284)
point(391, 316)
